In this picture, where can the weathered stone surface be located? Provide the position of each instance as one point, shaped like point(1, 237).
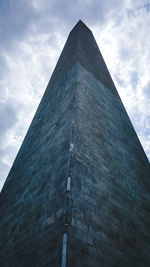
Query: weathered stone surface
point(81, 131)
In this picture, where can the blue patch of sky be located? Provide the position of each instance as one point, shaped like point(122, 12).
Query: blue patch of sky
point(145, 131)
point(134, 79)
point(146, 90)
point(119, 81)
point(147, 6)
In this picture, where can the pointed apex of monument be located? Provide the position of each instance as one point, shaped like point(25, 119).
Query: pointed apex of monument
point(80, 26)
point(80, 23)
point(81, 48)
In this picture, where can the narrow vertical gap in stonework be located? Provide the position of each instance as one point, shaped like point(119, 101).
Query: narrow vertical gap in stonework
point(71, 148)
point(64, 250)
point(68, 183)
point(68, 215)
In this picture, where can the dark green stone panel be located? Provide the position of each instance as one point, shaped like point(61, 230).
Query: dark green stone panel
point(110, 182)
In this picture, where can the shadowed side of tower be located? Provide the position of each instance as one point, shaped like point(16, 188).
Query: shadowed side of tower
point(78, 192)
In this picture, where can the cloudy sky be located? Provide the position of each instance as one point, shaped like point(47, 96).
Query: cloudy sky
point(32, 35)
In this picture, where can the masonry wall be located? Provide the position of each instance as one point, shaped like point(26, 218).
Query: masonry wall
point(110, 182)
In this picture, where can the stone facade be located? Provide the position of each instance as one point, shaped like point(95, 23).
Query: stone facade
point(78, 193)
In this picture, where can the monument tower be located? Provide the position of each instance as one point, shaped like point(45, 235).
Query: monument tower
point(78, 193)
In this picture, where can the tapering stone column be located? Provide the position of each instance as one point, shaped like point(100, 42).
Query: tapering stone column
point(78, 193)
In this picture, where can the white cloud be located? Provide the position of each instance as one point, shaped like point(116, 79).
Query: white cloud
point(125, 48)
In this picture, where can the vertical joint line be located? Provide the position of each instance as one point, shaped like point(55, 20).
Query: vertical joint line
point(64, 250)
point(71, 149)
point(68, 183)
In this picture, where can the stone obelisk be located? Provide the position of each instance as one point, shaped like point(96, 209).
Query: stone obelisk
point(78, 193)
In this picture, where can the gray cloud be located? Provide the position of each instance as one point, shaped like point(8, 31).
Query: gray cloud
point(4, 68)
point(15, 20)
point(19, 18)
